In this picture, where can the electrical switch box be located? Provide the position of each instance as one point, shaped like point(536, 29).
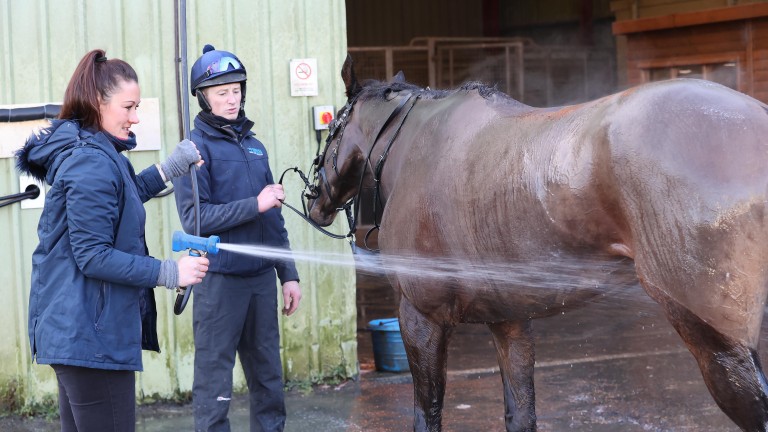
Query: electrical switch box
point(322, 116)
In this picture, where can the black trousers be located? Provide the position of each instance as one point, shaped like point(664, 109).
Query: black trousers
point(96, 400)
point(231, 315)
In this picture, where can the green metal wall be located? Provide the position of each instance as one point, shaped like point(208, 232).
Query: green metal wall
point(42, 41)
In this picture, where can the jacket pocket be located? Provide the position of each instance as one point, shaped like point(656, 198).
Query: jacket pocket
point(101, 306)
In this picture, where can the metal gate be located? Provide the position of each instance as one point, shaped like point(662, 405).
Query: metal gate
point(534, 74)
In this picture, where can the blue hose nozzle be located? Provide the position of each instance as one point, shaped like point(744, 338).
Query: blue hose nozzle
point(182, 241)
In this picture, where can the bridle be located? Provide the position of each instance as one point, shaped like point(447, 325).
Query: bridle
point(320, 180)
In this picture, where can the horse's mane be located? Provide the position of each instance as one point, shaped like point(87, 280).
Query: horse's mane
point(372, 89)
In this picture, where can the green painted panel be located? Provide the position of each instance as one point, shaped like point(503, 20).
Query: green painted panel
point(320, 339)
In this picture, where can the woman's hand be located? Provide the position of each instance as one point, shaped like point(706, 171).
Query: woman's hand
point(192, 270)
point(177, 164)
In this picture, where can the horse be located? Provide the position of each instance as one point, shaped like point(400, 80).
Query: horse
point(667, 180)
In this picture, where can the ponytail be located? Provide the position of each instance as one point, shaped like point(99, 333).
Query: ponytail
point(94, 81)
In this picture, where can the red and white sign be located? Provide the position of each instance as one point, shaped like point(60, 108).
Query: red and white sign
point(304, 77)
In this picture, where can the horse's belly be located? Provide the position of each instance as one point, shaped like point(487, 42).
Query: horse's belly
point(476, 292)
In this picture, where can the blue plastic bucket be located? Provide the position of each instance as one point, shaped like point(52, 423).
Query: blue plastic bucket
point(388, 349)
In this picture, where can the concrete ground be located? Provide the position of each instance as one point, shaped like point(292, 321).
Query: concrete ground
point(615, 365)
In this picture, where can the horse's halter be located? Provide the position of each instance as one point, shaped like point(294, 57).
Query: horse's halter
point(336, 132)
point(317, 166)
point(336, 128)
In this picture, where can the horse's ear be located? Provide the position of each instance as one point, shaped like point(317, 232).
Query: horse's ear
point(348, 75)
point(398, 78)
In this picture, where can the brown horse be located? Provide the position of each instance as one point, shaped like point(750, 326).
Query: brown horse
point(669, 177)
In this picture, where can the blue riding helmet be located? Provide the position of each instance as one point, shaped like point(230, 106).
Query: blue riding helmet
point(216, 67)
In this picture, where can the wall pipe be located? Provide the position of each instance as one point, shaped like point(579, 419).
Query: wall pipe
point(181, 36)
point(182, 80)
point(180, 52)
point(31, 192)
point(47, 111)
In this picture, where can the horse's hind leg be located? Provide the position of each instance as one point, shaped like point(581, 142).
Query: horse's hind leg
point(515, 352)
point(426, 344)
point(731, 369)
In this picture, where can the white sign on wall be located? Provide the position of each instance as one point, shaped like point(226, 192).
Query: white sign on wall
point(13, 135)
point(147, 130)
point(304, 77)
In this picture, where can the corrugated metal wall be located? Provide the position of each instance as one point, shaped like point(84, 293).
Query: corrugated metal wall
point(42, 41)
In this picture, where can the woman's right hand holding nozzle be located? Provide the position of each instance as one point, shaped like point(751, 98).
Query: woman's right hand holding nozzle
point(192, 270)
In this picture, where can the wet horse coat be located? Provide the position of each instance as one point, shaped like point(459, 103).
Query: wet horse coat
point(670, 178)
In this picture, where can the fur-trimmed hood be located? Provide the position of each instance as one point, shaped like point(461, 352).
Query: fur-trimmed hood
point(47, 148)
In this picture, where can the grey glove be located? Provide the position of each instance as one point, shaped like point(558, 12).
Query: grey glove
point(169, 274)
point(179, 161)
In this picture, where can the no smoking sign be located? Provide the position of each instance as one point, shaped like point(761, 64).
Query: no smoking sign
point(303, 77)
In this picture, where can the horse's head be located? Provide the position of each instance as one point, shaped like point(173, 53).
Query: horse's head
point(344, 167)
point(338, 169)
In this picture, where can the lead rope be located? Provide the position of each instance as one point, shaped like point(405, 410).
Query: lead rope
point(347, 208)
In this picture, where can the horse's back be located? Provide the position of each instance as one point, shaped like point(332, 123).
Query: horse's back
point(670, 174)
point(689, 161)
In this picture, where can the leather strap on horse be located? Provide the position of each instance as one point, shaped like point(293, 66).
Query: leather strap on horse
point(356, 200)
point(380, 167)
point(304, 216)
point(351, 206)
point(380, 163)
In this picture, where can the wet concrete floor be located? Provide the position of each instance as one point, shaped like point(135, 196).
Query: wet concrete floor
point(615, 365)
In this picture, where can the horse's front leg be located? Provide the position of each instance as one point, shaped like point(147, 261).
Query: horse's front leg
point(515, 352)
point(426, 344)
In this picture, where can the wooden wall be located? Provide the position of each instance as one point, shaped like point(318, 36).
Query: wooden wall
point(635, 9)
point(669, 35)
point(732, 34)
point(759, 83)
point(688, 45)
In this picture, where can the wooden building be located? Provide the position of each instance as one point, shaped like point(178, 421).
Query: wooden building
point(724, 41)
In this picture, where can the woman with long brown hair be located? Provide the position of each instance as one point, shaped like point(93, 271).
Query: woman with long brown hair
point(91, 305)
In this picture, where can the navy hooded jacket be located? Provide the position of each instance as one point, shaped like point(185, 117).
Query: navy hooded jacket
point(91, 274)
point(235, 171)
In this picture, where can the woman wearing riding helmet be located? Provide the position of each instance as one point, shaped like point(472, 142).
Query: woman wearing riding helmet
point(235, 308)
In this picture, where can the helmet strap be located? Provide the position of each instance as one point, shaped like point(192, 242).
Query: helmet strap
point(205, 106)
point(203, 102)
point(242, 98)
